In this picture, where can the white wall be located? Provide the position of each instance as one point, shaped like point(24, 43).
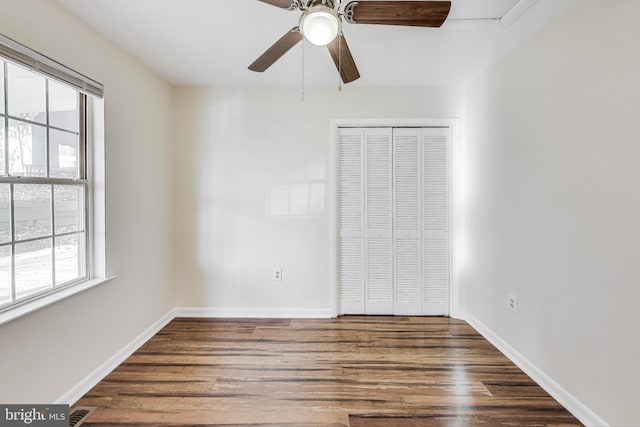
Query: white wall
point(553, 204)
point(251, 188)
point(46, 353)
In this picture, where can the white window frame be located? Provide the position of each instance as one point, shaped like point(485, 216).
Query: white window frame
point(92, 130)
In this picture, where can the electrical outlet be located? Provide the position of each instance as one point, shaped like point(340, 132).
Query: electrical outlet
point(512, 302)
point(277, 274)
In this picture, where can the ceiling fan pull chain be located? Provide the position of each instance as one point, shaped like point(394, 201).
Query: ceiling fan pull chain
point(303, 43)
point(340, 61)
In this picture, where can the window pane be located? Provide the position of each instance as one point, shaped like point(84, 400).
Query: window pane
point(63, 106)
point(2, 139)
point(63, 154)
point(68, 202)
point(5, 274)
point(26, 93)
point(5, 213)
point(27, 149)
point(1, 87)
point(33, 267)
point(69, 258)
point(32, 209)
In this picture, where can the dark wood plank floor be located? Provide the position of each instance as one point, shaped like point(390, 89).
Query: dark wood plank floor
point(345, 372)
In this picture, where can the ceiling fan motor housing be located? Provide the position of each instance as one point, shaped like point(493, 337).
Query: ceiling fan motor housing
point(328, 3)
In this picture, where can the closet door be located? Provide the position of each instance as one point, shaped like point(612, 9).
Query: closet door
point(407, 230)
point(378, 221)
point(436, 222)
point(351, 261)
point(393, 219)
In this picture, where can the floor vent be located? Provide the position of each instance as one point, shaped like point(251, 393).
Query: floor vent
point(80, 414)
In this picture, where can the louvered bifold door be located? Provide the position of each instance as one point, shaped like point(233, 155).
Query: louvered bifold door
point(407, 210)
point(436, 220)
point(351, 261)
point(378, 221)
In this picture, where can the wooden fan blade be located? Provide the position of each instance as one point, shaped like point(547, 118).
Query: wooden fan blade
point(284, 4)
point(406, 13)
point(275, 52)
point(339, 50)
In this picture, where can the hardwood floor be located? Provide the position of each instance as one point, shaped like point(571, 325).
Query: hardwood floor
point(350, 371)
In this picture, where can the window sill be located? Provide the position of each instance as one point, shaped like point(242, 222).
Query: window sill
point(31, 306)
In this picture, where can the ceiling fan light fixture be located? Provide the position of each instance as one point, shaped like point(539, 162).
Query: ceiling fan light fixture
point(320, 25)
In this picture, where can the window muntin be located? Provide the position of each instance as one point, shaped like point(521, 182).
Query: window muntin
point(43, 186)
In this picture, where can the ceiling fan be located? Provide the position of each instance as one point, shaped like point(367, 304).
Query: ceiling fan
point(321, 25)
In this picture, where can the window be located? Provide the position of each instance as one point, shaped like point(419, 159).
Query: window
point(45, 185)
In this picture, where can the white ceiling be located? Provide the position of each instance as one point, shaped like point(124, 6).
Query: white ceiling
point(211, 42)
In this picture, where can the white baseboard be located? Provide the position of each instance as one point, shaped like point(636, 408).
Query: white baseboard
point(579, 410)
point(275, 313)
point(80, 389)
